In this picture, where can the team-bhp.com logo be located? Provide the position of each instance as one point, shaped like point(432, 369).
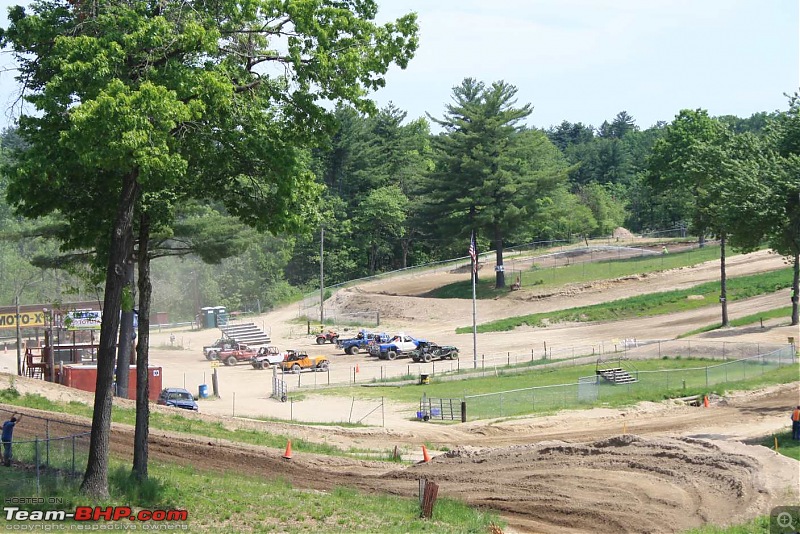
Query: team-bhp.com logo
point(95, 513)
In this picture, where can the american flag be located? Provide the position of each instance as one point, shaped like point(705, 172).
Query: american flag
point(473, 252)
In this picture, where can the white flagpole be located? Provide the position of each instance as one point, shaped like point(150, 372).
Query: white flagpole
point(474, 317)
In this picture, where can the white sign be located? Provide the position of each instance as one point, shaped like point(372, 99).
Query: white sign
point(83, 320)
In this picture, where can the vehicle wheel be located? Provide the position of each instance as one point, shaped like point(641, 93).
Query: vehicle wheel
point(427, 357)
point(323, 367)
point(391, 355)
point(454, 355)
point(415, 358)
point(320, 340)
point(259, 365)
point(266, 365)
point(213, 355)
point(295, 369)
point(354, 350)
point(231, 360)
point(334, 340)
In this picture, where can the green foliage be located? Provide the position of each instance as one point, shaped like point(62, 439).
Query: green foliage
point(491, 174)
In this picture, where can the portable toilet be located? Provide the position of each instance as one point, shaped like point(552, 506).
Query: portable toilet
point(207, 317)
point(220, 316)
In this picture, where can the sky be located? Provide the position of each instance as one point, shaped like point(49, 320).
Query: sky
point(587, 60)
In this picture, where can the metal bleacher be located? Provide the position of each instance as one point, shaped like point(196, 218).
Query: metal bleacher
point(617, 375)
point(247, 333)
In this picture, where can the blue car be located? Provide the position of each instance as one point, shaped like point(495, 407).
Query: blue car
point(178, 397)
point(361, 342)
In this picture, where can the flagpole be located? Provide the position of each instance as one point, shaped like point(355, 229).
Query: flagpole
point(473, 255)
point(474, 320)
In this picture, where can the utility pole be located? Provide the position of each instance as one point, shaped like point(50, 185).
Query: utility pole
point(19, 337)
point(321, 275)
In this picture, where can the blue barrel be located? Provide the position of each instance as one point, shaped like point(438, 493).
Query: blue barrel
point(203, 391)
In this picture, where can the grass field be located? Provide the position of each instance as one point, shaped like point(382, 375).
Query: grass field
point(648, 305)
point(541, 391)
point(232, 502)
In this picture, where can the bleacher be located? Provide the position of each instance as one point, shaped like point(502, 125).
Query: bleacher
point(617, 375)
point(247, 333)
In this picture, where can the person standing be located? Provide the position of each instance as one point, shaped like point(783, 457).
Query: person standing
point(796, 424)
point(8, 432)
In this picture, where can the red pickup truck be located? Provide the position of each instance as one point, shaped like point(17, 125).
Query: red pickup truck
point(238, 353)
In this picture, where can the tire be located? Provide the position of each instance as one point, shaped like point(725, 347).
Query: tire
point(323, 367)
point(320, 340)
point(231, 360)
point(259, 365)
point(427, 358)
point(454, 355)
point(296, 369)
point(391, 355)
point(213, 355)
point(349, 350)
point(334, 340)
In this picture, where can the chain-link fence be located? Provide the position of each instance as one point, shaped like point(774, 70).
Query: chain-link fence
point(595, 390)
point(51, 451)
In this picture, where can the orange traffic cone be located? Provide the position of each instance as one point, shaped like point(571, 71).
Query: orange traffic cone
point(357, 369)
point(705, 401)
point(425, 457)
point(288, 454)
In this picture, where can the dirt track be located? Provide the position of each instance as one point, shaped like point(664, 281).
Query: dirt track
point(658, 467)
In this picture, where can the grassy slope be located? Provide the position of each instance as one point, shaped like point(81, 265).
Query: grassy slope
point(649, 305)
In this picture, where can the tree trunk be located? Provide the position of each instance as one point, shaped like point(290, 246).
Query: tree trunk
point(142, 354)
point(126, 328)
point(95, 480)
point(500, 280)
point(795, 294)
point(723, 281)
point(405, 244)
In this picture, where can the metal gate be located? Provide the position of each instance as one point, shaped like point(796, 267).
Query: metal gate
point(279, 389)
point(587, 388)
point(444, 409)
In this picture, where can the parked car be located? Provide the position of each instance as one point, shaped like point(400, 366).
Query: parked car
point(267, 357)
point(399, 346)
point(324, 337)
point(177, 397)
point(239, 353)
point(296, 361)
point(211, 352)
point(361, 342)
point(427, 352)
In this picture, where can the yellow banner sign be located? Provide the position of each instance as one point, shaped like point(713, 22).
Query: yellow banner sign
point(26, 319)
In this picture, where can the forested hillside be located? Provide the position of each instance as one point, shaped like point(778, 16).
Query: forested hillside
point(398, 191)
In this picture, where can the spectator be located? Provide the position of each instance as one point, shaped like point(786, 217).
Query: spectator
point(8, 431)
point(795, 425)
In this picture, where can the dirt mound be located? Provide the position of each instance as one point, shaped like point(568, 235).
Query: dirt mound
point(622, 233)
point(625, 483)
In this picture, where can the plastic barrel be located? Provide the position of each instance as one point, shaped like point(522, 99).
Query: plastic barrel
point(203, 391)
